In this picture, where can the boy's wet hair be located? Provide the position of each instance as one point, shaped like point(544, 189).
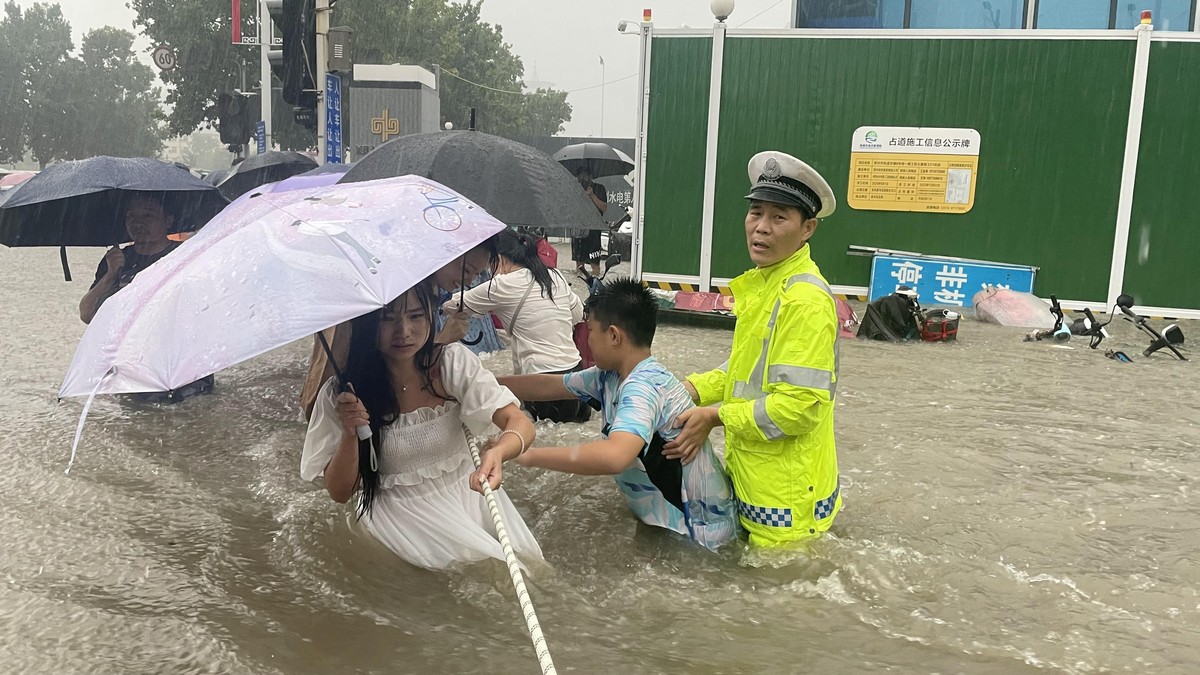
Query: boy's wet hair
point(628, 305)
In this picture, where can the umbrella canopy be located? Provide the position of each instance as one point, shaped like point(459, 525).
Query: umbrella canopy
point(269, 270)
point(269, 167)
point(298, 182)
point(217, 176)
point(520, 185)
point(83, 203)
point(600, 159)
point(329, 168)
point(14, 178)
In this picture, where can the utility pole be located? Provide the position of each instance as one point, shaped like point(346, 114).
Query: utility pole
point(322, 69)
point(265, 38)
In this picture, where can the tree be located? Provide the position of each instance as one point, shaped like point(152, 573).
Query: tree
point(421, 32)
point(63, 107)
point(451, 35)
point(124, 101)
point(35, 46)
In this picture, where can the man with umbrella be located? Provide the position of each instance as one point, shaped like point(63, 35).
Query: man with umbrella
point(588, 249)
point(147, 221)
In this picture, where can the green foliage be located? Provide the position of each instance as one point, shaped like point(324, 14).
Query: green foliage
point(420, 32)
point(60, 106)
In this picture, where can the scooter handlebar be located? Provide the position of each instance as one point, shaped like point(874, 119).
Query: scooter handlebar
point(1133, 316)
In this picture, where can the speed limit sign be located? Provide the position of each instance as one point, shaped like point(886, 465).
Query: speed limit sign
point(163, 57)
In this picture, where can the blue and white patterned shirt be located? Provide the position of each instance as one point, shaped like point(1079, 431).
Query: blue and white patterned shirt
point(694, 499)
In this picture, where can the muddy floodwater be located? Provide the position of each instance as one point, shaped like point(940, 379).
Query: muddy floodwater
point(1009, 507)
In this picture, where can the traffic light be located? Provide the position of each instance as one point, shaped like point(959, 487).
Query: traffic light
point(296, 64)
point(235, 119)
point(275, 56)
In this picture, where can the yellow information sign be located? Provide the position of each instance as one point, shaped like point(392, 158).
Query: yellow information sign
point(922, 169)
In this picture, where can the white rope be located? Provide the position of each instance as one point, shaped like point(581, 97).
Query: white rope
point(514, 569)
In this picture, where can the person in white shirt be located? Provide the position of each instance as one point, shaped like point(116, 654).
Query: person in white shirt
point(539, 310)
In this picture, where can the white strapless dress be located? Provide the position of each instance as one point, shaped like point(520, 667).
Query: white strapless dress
point(424, 510)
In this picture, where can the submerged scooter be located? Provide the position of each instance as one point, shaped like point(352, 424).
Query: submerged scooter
point(1170, 337)
point(1060, 332)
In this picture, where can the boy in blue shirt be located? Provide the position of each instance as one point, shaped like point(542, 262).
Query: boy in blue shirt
point(640, 401)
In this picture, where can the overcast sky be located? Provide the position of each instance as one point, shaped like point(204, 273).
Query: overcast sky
point(560, 42)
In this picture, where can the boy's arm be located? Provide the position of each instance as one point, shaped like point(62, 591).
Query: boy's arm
point(608, 457)
point(536, 387)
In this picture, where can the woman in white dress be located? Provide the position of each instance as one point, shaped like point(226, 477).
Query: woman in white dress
point(412, 476)
point(539, 310)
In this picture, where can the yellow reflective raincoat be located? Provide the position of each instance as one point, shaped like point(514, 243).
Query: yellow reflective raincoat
point(777, 391)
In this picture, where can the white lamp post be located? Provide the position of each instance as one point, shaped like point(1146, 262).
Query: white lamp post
point(721, 9)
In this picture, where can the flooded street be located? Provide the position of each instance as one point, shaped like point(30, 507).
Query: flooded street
point(1009, 507)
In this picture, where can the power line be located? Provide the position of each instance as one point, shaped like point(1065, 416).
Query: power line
point(603, 84)
point(482, 86)
point(759, 14)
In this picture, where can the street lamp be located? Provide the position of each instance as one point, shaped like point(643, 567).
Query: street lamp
point(721, 9)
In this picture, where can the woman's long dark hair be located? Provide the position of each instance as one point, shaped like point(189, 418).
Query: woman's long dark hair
point(521, 249)
point(368, 372)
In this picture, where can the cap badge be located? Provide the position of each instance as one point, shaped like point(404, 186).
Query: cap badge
point(771, 170)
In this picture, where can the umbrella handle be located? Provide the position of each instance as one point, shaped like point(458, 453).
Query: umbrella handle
point(363, 431)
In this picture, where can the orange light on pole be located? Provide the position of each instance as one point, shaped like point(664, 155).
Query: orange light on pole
point(646, 16)
point(1146, 17)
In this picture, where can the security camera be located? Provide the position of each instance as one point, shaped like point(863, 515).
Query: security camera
point(622, 25)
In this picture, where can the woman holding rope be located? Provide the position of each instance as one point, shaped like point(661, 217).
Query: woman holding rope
point(412, 474)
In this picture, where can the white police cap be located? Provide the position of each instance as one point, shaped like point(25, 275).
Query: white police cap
point(782, 179)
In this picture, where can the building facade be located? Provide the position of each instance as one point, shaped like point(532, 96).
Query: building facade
point(1169, 15)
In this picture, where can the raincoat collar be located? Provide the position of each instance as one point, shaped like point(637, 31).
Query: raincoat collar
point(775, 274)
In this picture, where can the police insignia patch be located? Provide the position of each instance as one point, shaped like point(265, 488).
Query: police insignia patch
point(771, 170)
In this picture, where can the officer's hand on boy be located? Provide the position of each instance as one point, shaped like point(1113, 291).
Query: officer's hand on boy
point(697, 424)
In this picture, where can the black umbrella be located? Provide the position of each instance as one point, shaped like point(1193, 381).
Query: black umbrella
point(269, 167)
point(83, 203)
point(217, 176)
point(519, 185)
point(600, 159)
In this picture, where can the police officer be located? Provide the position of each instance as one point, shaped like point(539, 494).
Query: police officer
point(777, 388)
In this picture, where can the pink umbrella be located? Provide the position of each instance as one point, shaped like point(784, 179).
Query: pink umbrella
point(269, 270)
point(15, 178)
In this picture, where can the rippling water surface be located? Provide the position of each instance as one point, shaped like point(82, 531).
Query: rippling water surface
point(1010, 507)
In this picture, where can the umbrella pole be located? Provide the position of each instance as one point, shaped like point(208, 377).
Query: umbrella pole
point(363, 431)
point(332, 361)
point(62, 253)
